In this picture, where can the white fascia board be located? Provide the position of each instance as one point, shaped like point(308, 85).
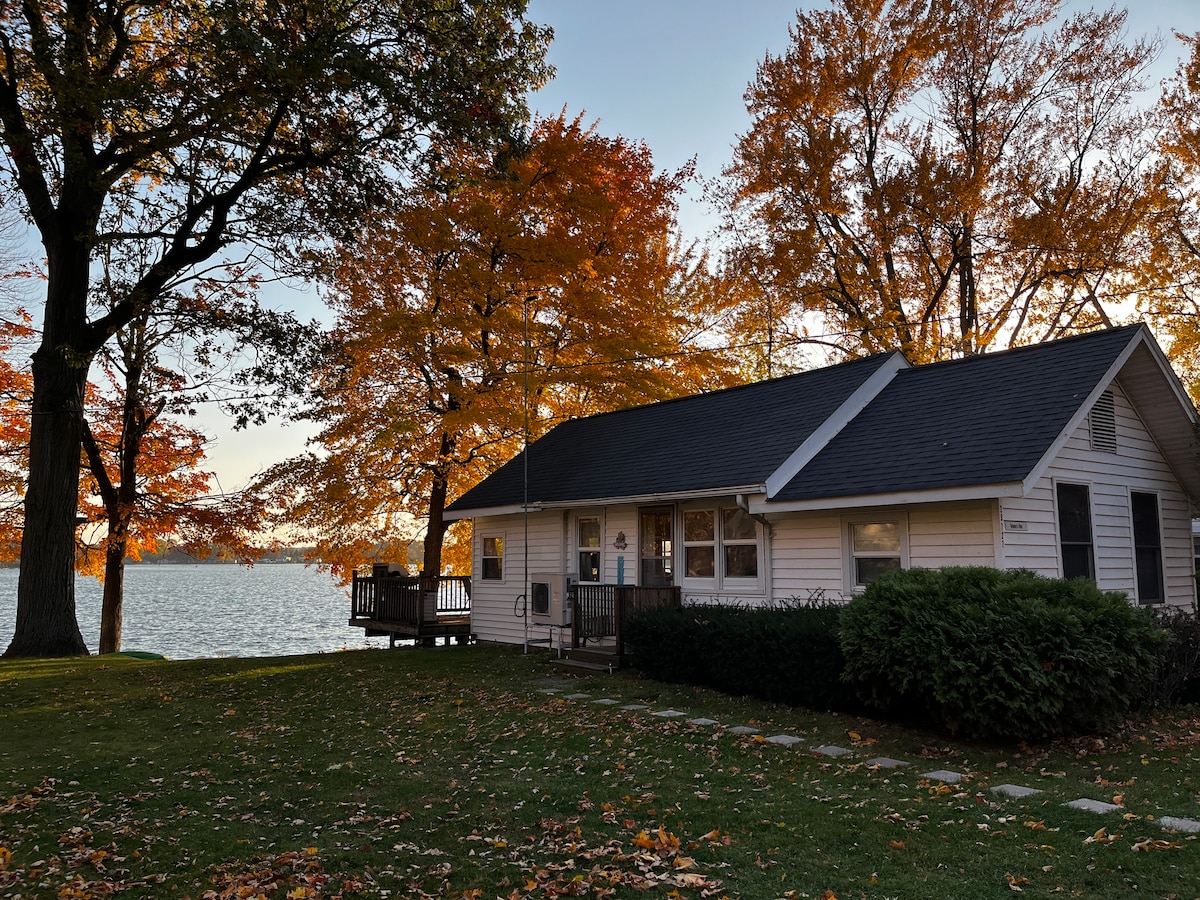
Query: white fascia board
point(1142, 338)
point(897, 498)
point(842, 416)
point(639, 499)
point(511, 510)
point(665, 497)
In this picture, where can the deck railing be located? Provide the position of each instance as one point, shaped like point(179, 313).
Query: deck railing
point(409, 599)
point(599, 610)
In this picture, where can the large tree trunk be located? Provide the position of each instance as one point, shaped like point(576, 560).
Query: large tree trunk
point(46, 623)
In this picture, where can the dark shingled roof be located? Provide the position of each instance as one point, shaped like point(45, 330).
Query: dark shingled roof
point(982, 420)
point(722, 439)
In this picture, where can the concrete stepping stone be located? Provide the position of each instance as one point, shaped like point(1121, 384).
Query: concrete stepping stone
point(1191, 826)
point(578, 696)
point(605, 701)
point(886, 762)
point(1015, 790)
point(668, 714)
point(1089, 805)
point(784, 740)
point(944, 775)
point(833, 750)
point(549, 690)
point(702, 721)
point(743, 729)
point(635, 706)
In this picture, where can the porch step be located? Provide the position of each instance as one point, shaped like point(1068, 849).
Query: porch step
point(593, 659)
point(582, 665)
point(606, 656)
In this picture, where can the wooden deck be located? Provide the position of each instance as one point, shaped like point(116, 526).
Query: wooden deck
point(412, 607)
point(417, 608)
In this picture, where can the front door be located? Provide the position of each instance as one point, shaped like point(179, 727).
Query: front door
point(656, 546)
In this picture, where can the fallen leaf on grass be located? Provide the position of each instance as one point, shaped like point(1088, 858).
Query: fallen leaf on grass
point(1015, 881)
point(1102, 837)
point(1151, 844)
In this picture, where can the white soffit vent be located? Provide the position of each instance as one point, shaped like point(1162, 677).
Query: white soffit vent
point(1102, 421)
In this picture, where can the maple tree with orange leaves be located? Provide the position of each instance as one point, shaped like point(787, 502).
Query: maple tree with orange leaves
point(546, 281)
point(940, 178)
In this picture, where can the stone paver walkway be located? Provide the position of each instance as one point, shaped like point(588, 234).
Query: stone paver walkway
point(943, 776)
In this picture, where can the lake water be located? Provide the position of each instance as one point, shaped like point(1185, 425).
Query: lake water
point(195, 611)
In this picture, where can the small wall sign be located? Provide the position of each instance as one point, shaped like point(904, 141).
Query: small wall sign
point(619, 543)
point(1015, 526)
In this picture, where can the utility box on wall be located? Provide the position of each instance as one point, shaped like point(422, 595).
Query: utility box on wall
point(549, 600)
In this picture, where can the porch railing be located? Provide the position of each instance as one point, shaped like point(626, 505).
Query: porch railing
point(409, 599)
point(598, 611)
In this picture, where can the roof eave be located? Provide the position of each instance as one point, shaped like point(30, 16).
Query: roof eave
point(632, 500)
point(894, 498)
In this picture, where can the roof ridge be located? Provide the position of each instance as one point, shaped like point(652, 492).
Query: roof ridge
point(1024, 348)
point(731, 388)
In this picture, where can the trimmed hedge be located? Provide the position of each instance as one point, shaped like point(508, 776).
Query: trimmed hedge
point(998, 654)
point(789, 654)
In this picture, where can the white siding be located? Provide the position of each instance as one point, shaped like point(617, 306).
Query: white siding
point(810, 554)
point(952, 534)
point(494, 603)
point(807, 556)
point(1137, 465)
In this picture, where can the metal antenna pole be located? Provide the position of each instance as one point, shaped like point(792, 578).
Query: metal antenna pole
point(525, 474)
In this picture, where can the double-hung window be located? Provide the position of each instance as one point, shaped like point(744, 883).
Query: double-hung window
point(699, 543)
point(1075, 530)
point(875, 548)
point(1147, 547)
point(739, 542)
point(587, 536)
point(492, 564)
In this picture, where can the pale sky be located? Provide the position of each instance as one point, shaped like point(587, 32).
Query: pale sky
point(671, 73)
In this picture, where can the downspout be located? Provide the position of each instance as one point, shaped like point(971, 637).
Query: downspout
point(768, 533)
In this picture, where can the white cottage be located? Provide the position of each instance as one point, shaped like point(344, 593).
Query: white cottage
point(1075, 458)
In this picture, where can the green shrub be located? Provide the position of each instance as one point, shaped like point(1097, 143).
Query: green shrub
point(789, 654)
point(1177, 675)
point(998, 654)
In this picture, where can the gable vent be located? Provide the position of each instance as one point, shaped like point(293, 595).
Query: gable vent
point(1103, 422)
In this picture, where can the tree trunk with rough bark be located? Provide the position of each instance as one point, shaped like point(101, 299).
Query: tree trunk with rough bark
point(46, 624)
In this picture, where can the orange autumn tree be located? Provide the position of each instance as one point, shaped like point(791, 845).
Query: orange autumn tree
point(143, 478)
point(1170, 274)
point(16, 387)
point(938, 177)
point(545, 281)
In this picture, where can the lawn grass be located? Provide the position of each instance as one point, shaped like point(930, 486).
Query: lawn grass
point(448, 773)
